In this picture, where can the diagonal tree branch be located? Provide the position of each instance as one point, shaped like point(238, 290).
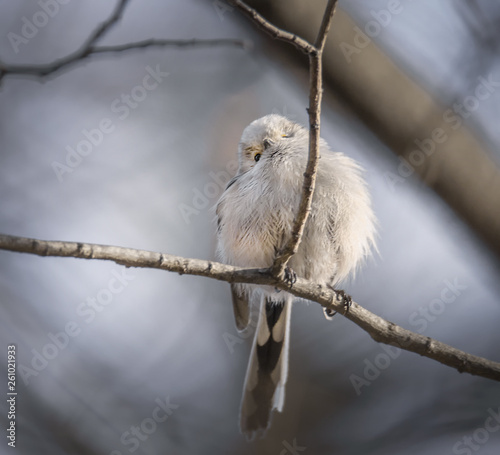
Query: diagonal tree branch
point(379, 329)
point(89, 48)
point(272, 30)
point(82, 53)
point(100, 31)
point(51, 68)
point(315, 53)
point(173, 43)
point(325, 25)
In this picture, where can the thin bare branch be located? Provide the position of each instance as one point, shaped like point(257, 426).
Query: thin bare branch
point(325, 25)
point(173, 43)
point(379, 329)
point(53, 67)
point(100, 31)
point(272, 30)
point(89, 48)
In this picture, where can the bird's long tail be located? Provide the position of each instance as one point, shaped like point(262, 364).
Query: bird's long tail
point(267, 370)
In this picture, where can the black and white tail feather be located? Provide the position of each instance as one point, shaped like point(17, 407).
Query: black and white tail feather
point(267, 371)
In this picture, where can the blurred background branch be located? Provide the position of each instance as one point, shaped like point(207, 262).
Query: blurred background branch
point(89, 48)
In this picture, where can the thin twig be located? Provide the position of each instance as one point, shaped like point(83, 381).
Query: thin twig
point(80, 54)
point(379, 329)
point(272, 30)
point(53, 67)
point(100, 31)
point(325, 25)
point(173, 43)
point(89, 48)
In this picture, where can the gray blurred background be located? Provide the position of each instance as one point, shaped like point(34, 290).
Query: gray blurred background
point(150, 362)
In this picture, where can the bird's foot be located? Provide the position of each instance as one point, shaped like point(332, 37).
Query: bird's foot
point(345, 299)
point(290, 276)
point(341, 297)
point(329, 313)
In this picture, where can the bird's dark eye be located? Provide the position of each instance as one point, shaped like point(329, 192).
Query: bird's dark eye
point(256, 157)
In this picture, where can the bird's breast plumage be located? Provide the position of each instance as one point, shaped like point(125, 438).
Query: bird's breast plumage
point(253, 222)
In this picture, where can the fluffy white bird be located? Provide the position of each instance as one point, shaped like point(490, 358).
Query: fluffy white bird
point(255, 217)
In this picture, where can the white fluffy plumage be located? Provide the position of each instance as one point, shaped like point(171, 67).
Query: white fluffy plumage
point(257, 210)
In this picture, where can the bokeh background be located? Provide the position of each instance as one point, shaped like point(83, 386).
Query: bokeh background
point(99, 355)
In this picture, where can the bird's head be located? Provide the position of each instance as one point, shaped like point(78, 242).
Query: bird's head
point(270, 140)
